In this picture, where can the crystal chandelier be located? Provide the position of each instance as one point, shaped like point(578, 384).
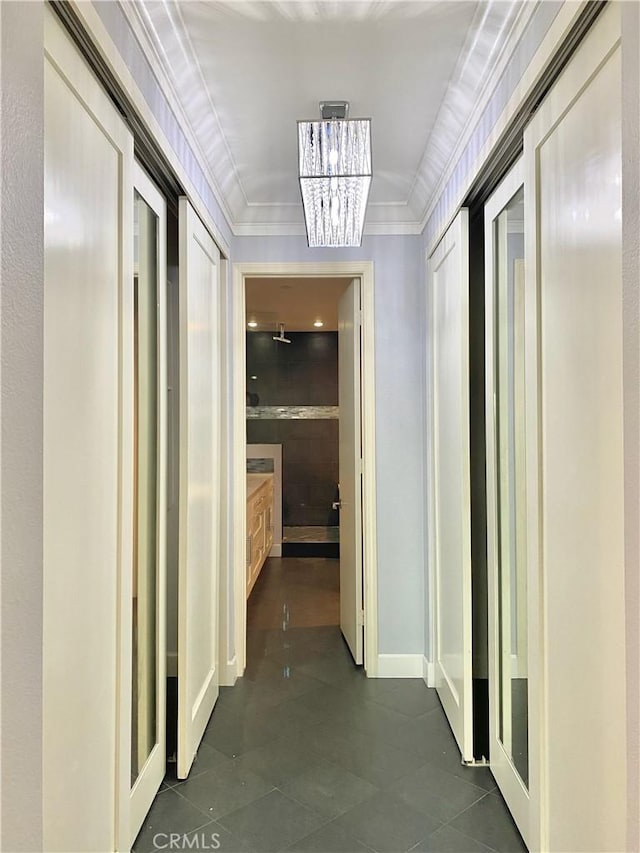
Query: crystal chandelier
point(334, 165)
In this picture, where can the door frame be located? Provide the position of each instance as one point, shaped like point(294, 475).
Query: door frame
point(237, 603)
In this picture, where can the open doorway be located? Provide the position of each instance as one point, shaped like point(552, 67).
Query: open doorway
point(293, 407)
point(307, 426)
point(303, 439)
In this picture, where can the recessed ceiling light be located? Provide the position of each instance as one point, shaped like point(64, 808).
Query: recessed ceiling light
point(252, 324)
point(318, 324)
point(253, 377)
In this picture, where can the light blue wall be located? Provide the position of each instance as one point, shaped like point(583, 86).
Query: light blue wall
point(400, 435)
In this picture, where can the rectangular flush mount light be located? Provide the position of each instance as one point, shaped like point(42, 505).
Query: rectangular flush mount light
point(334, 165)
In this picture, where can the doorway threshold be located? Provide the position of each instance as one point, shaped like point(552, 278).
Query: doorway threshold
point(311, 541)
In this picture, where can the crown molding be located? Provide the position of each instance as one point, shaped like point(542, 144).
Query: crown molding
point(148, 47)
point(518, 28)
point(564, 20)
point(291, 229)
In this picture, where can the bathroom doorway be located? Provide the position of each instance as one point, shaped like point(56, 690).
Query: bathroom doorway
point(292, 407)
point(301, 439)
point(303, 412)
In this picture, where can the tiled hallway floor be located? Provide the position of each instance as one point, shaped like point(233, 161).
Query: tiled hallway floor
point(306, 754)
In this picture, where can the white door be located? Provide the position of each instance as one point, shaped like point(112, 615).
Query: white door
point(199, 500)
point(575, 469)
point(148, 684)
point(448, 281)
point(88, 442)
point(511, 712)
point(350, 470)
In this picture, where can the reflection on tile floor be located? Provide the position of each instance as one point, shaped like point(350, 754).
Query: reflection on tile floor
point(307, 754)
point(310, 534)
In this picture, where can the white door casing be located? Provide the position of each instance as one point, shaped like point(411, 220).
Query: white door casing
point(152, 772)
point(365, 271)
point(199, 499)
point(450, 517)
point(350, 470)
point(88, 466)
point(575, 475)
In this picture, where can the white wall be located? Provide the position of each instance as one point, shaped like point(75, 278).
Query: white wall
point(400, 433)
point(631, 365)
point(21, 348)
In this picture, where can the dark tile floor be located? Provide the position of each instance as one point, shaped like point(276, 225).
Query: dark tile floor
point(307, 754)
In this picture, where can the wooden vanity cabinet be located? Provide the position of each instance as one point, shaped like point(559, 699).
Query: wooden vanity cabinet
point(259, 524)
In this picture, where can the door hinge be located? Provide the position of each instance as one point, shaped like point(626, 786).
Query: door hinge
point(361, 617)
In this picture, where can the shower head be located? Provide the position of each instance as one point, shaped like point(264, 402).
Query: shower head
point(281, 338)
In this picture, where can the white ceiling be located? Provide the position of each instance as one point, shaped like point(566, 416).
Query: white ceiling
point(242, 73)
point(296, 302)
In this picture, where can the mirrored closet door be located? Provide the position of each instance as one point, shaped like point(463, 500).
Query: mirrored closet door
point(506, 509)
point(148, 681)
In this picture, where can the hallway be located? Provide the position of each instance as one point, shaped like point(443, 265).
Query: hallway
point(306, 754)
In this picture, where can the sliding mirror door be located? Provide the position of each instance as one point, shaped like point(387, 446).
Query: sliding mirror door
point(506, 510)
point(148, 683)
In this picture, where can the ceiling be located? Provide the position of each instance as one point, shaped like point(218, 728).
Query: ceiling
point(242, 73)
point(296, 302)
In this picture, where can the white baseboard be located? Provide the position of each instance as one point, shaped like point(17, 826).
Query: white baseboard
point(399, 666)
point(428, 672)
point(229, 672)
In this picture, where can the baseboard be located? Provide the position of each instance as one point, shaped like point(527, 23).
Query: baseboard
point(428, 672)
point(276, 551)
point(229, 672)
point(399, 666)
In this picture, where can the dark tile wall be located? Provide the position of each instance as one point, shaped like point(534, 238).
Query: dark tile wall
point(303, 373)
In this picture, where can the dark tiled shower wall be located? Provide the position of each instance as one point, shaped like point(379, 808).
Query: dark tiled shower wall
point(303, 373)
